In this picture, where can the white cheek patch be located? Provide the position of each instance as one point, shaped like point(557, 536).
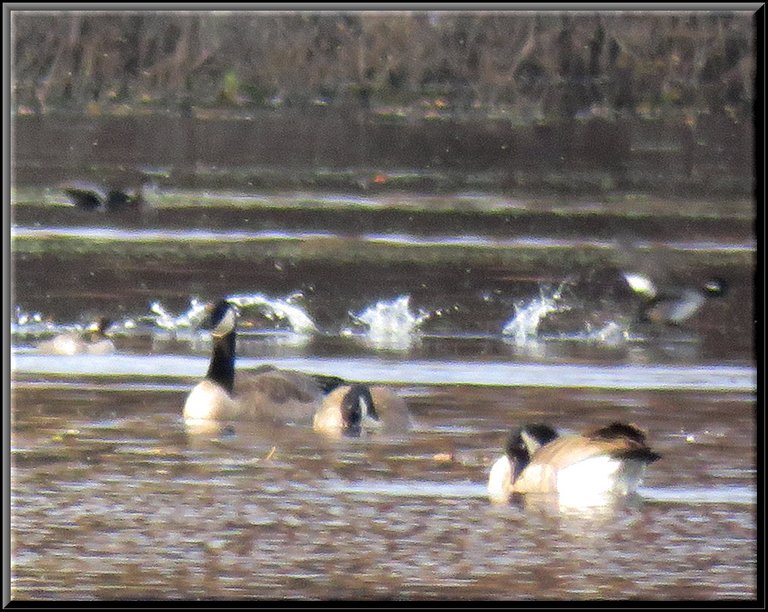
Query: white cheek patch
point(368, 421)
point(226, 325)
point(366, 409)
point(531, 443)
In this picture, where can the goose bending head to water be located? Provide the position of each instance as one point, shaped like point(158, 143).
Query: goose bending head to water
point(266, 393)
point(607, 460)
point(351, 409)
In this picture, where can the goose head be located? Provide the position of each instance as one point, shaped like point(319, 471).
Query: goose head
point(220, 318)
point(522, 443)
point(357, 410)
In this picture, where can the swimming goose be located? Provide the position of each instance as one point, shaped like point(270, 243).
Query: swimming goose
point(607, 460)
point(90, 196)
point(350, 409)
point(671, 305)
point(267, 393)
point(93, 341)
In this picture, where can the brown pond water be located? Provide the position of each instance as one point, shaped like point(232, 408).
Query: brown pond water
point(113, 497)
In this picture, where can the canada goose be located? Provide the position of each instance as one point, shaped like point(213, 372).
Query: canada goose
point(610, 459)
point(350, 409)
point(671, 305)
point(267, 393)
point(90, 196)
point(93, 341)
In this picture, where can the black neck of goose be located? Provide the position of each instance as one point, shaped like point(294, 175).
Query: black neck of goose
point(222, 368)
point(520, 460)
point(517, 453)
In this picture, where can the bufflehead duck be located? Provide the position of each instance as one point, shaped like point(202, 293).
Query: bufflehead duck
point(671, 305)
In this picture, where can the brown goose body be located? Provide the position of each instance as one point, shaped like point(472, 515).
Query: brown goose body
point(278, 396)
point(609, 459)
point(264, 394)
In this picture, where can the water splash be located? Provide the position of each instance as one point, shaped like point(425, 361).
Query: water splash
point(186, 320)
point(390, 324)
point(22, 317)
point(29, 323)
point(524, 326)
point(613, 333)
point(33, 326)
point(276, 309)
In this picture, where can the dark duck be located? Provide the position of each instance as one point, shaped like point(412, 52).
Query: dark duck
point(91, 196)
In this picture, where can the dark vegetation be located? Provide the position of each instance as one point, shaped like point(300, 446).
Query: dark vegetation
point(532, 66)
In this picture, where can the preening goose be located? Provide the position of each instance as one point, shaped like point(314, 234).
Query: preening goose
point(350, 409)
point(607, 460)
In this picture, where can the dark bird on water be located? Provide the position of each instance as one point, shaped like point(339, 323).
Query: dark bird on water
point(90, 196)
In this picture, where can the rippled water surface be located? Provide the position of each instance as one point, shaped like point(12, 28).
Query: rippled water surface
point(113, 496)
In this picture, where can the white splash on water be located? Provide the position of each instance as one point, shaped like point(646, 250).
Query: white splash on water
point(524, 326)
point(186, 320)
point(276, 309)
point(25, 318)
point(28, 323)
point(390, 324)
point(612, 333)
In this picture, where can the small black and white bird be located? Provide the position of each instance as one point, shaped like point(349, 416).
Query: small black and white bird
point(606, 461)
point(671, 305)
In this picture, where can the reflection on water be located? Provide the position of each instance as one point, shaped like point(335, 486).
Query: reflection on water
point(391, 370)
